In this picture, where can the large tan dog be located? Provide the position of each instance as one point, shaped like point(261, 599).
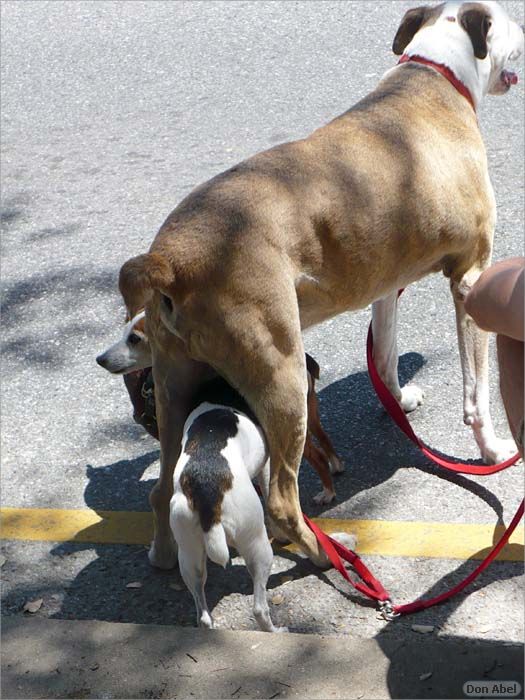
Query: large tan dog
point(392, 190)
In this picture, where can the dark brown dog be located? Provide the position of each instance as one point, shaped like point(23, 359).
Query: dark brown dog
point(324, 458)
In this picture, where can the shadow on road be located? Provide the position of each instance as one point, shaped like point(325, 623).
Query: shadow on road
point(370, 443)
point(59, 296)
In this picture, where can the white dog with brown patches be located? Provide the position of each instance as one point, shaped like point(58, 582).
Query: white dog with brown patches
point(215, 504)
point(131, 352)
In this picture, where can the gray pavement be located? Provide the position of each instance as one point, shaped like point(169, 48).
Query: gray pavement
point(111, 113)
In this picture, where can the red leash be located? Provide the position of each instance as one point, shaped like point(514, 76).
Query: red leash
point(398, 416)
point(375, 590)
point(335, 551)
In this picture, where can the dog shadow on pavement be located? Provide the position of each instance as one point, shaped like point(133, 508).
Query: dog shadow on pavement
point(101, 590)
point(372, 446)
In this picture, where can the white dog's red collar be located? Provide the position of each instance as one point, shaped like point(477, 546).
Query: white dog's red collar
point(445, 72)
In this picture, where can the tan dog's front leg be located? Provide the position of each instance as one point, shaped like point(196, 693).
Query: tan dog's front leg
point(384, 329)
point(473, 352)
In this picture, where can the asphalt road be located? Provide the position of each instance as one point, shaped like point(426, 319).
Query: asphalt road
point(111, 113)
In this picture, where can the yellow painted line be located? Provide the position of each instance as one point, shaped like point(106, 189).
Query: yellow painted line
point(52, 525)
point(400, 538)
point(381, 537)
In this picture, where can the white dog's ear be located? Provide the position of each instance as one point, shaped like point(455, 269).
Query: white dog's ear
point(411, 23)
point(476, 20)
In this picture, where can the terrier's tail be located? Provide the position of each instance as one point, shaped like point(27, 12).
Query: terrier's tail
point(216, 545)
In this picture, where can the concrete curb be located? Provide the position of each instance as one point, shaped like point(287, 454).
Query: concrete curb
point(45, 658)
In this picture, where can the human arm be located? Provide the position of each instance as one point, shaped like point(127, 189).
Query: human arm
point(496, 302)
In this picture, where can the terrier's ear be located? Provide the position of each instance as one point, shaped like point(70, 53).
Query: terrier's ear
point(476, 20)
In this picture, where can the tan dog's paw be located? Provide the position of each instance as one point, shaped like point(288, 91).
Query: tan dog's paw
point(326, 496)
point(411, 397)
point(163, 555)
point(347, 539)
point(206, 621)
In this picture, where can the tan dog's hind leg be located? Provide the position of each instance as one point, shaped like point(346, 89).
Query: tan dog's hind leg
point(473, 352)
point(384, 329)
point(285, 432)
point(281, 409)
point(262, 356)
point(163, 550)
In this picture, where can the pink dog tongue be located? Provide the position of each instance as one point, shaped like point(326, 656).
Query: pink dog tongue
point(509, 77)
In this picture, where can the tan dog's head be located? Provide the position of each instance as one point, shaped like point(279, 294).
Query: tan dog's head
point(474, 39)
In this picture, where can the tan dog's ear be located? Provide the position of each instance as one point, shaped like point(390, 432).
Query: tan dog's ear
point(410, 25)
point(476, 21)
point(139, 276)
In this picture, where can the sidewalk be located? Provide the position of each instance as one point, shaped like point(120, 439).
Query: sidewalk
point(44, 658)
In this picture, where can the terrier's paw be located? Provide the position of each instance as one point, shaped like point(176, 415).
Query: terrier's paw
point(498, 451)
point(206, 621)
point(336, 465)
point(324, 497)
point(411, 397)
point(346, 539)
point(163, 555)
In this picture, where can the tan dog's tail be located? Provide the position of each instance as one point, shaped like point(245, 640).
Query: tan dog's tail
point(140, 276)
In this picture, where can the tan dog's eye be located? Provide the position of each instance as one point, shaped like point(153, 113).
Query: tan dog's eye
point(133, 339)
